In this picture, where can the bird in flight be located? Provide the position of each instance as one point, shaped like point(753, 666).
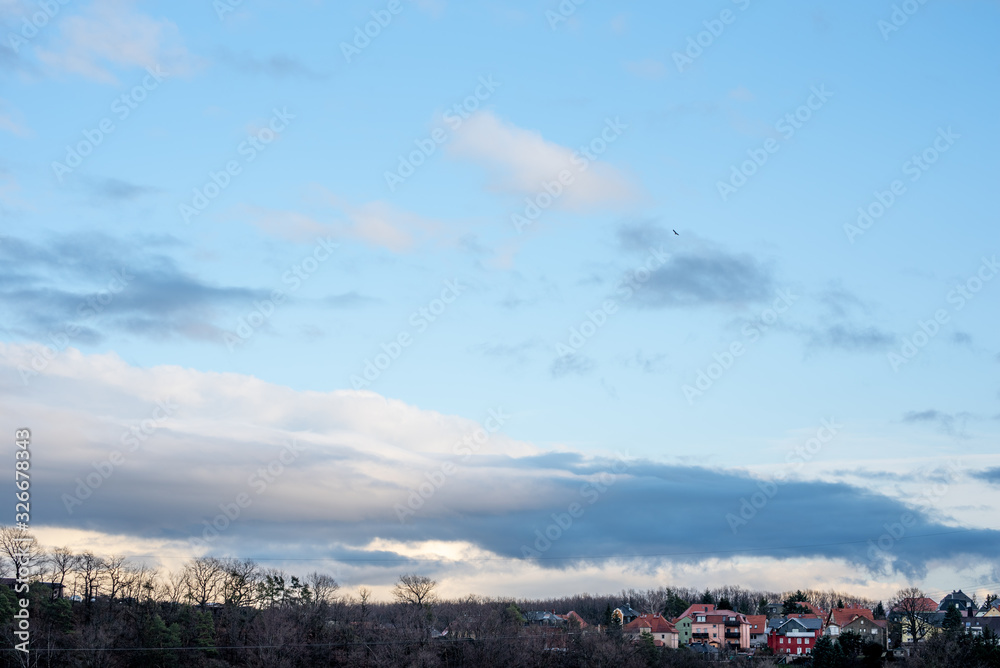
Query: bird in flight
point(675, 232)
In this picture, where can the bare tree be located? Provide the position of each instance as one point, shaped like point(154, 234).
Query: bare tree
point(90, 573)
point(910, 609)
point(18, 545)
point(240, 582)
point(414, 589)
point(119, 575)
point(323, 586)
point(61, 562)
point(202, 580)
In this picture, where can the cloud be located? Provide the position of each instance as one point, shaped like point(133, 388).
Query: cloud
point(519, 162)
point(350, 299)
point(517, 352)
point(742, 94)
point(991, 476)
point(276, 67)
point(695, 275)
point(101, 284)
point(649, 68)
point(110, 35)
point(11, 122)
point(961, 339)
point(706, 277)
point(289, 225)
point(116, 189)
point(377, 223)
point(952, 424)
point(639, 237)
point(575, 363)
point(850, 338)
point(357, 457)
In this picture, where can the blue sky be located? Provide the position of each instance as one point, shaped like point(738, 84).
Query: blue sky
point(245, 237)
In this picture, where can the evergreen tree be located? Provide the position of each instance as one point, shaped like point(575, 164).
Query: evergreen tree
point(707, 597)
point(952, 620)
point(879, 612)
point(725, 604)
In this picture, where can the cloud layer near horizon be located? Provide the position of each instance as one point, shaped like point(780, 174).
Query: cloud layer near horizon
point(192, 442)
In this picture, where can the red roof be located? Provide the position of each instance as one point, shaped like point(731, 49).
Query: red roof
point(701, 608)
point(816, 611)
point(919, 604)
point(650, 623)
point(842, 616)
point(572, 616)
point(760, 621)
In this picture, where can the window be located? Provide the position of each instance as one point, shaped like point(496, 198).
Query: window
point(798, 641)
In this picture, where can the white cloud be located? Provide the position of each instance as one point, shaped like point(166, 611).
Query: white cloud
point(290, 225)
point(9, 122)
point(110, 34)
point(520, 162)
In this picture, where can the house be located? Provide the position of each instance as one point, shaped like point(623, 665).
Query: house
point(724, 629)
point(683, 626)
point(57, 589)
point(840, 616)
point(627, 613)
point(697, 607)
point(684, 620)
point(543, 618)
point(977, 625)
point(866, 627)
point(775, 609)
point(574, 620)
point(664, 633)
point(758, 630)
point(797, 635)
point(960, 600)
point(926, 616)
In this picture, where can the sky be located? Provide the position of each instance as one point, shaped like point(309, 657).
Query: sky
point(531, 297)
